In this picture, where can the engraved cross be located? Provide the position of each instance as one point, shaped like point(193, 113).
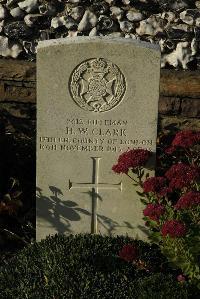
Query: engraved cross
point(95, 186)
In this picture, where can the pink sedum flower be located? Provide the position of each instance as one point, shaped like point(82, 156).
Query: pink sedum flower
point(181, 175)
point(131, 159)
point(174, 229)
point(128, 253)
point(188, 200)
point(154, 211)
point(157, 185)
point(181, 278)
point(186, 139)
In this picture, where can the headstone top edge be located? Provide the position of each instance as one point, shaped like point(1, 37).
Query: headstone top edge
point(87, 39)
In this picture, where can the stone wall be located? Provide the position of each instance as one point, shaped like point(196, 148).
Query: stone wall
point(173, 24)
point(178, 105)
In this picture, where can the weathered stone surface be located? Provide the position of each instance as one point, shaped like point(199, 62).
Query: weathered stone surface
point(134, 15)
point(17, 93)
point(106, 23)
point(197, 3)
point(3, 12)
point(182, 55)
point(173, 83)
point(48, 9)
point(12, 49)
point(190, 107)
point(197, 34)
point(182, 84)
point(148, 20)
point(77, 12)
point(29, 5)
point(88, 21)
point(67, 22)
point(181, 32)
point(17, 13)
point(190, 16)
point(18, 84)
point(174, 123)
point(89, 110)
point(21, 111)
point(17, 70)
point(35, 20)
point(169, 105)
point(151, 26)
point(18, 30)
point(19, 119)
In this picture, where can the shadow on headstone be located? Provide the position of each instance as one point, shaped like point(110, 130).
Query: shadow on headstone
point(60, 213)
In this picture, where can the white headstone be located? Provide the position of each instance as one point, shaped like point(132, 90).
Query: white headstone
point(96, 97)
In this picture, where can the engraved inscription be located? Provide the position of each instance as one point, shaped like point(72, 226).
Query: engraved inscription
point(94, 135)
point(97, 85)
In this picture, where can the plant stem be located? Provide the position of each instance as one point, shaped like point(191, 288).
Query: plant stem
point(132, 178)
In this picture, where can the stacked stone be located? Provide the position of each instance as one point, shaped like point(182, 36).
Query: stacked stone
point(173, 24)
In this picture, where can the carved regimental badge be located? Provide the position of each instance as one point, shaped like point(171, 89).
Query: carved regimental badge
point(97, 85)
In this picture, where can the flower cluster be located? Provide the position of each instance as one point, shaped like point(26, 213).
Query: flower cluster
point(170, 150)
point(183, 139)
point(10, 208)
point(172, 201)
point(154, 211)
point(182, 175)
point(174, 228)
point(131, 159)
point(188, 200)
point(156, 185)
point(181, 278)
point(128, 253)
point(186, 138)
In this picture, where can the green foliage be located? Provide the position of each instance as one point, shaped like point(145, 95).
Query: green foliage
point(172, 199)
point(152, 285)
point(88, 266)
point(180, 254)
point(17, 191)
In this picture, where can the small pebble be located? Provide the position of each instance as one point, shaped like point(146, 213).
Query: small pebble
point(17, 13)
point(29, 5)
point(88, 21)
